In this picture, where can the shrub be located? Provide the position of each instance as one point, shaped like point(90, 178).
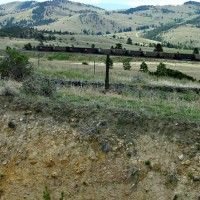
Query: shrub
point(39, 85)
point(28, 46)
point(85, 63)
point(15, 65)
point(147, 162)
point(163, 71)
point(9, 88)
point(144, 67)
point(127, 65)
point(46, 194)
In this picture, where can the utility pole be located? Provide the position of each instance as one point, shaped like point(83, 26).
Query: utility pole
point(107, 72)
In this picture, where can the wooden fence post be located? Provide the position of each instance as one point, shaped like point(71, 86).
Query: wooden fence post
point(107, 72)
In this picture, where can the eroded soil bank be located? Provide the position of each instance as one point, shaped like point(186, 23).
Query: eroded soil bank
point(94, 153)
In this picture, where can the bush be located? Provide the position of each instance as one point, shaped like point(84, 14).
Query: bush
point(39, 85)
point(144, 67)
point(163, 71)
point(85, 63)
point(28, 46)
point(9, 88)
point(15, 65)
point(127, 65)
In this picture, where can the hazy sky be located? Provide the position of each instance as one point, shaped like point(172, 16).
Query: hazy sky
point(119, 4)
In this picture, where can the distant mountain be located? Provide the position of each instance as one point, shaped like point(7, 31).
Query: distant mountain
point(77, 17)
point(192, 3)
point(132, 10)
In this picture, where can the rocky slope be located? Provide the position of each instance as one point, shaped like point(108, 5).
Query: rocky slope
point(92, 153)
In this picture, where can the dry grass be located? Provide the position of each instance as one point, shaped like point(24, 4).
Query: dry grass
point(9, 87)
point(74, 70)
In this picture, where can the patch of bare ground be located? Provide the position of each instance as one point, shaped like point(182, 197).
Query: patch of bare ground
point(94, 153)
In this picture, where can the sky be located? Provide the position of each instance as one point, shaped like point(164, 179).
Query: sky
point(121, 4)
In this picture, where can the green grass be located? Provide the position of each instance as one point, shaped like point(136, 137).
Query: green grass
point(143, 102)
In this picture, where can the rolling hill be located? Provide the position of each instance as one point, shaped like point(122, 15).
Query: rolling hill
point(64, 15)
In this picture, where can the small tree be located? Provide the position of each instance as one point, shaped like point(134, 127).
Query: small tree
point(161, 69)
point(118, 46)
point(129, 41)
point(144, 67)
point(158, 48)
point(93, 46)
point(15, 65)
point(127, 65)
point(196, 51)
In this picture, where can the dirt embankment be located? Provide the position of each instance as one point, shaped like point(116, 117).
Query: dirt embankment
point(92, 153)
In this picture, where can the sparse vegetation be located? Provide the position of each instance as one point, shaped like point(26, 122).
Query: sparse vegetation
point(190, 175)
point(46, 194)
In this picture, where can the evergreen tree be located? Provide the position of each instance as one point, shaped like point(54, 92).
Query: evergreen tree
point(129, 41)
point(158, 48)
point(144, 67)
point(196, 51)
point(118, 46)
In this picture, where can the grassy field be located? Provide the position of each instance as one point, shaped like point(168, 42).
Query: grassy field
point(102, 41)
point(146, 102)
point(60, 64)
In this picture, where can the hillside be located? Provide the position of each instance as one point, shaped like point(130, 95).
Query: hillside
point(63, 14)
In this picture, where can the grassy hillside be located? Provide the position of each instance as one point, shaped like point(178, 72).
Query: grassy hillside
point(62, 14)
point(164, 22)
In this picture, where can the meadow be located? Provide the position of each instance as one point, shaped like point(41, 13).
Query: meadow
point(149, 102)
point(142, 98)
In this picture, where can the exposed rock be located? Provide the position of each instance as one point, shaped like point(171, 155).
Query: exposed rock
point(187, 162)
point(49, 163)
point(12, 124)
point(181, 157)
